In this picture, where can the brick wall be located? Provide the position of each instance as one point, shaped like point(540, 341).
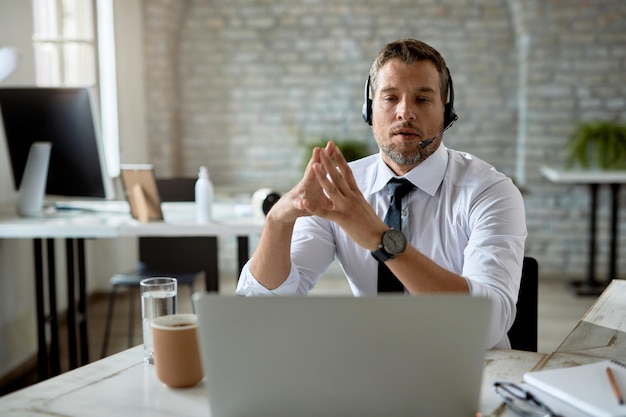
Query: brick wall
point(576, 71)
point(241, 85)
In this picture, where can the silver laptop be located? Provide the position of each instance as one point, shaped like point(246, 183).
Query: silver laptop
point(343, 356)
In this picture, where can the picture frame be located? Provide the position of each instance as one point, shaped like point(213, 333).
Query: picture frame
point(141, 192)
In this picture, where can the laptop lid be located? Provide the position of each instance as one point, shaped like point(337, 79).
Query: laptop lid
point(343, 356)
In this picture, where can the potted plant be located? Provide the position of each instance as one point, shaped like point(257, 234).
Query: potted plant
point(598, 145)
point(350, 148)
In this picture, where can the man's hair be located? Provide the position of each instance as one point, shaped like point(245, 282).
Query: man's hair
point(410, 51)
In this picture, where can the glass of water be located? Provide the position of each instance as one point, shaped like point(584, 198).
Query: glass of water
point(158, 298)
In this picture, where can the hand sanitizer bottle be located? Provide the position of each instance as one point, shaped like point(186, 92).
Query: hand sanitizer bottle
point(204, 196)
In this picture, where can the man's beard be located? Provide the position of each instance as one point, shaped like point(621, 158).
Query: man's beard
point(399, 157)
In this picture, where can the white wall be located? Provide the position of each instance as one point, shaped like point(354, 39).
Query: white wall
point(18, 340)
point(106, 257)
point(130, 80)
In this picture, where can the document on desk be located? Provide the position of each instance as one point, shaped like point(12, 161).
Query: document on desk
point(596, 388)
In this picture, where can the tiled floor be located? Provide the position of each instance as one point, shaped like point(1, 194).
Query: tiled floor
point(559, 311)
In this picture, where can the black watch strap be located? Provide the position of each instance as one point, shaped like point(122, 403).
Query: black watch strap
point(381, 254)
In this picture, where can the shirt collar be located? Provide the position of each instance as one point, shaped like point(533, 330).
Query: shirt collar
point(427, 176)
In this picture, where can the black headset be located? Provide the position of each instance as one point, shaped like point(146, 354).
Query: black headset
point(449, 116)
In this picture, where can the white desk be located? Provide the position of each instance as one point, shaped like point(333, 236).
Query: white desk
point(601, 333)
point(179, 220)
point(112, 221)
point(594, 178)
point(119, 385)
point(122, 385)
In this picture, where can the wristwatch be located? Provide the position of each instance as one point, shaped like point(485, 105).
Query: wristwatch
point(393, 244)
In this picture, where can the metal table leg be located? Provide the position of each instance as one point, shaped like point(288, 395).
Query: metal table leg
point(592, 286)
point(76, 309)
point(614, 220)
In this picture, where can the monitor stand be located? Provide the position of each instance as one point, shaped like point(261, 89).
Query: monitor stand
point(33, 187)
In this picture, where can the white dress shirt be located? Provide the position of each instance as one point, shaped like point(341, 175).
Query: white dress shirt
point(464, 215)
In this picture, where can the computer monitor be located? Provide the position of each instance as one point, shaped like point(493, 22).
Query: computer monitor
point(66, 118)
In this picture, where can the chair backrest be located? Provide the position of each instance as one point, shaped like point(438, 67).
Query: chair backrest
point(523, 333)
point(176, 189)
point(176, 254)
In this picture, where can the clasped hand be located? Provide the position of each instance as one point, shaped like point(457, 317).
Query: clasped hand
point(328, 189)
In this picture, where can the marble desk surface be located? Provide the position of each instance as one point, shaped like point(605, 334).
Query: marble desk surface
point(119, 385)
point(123, 385)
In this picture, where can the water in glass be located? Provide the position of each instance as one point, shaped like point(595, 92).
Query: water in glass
point(155, 304)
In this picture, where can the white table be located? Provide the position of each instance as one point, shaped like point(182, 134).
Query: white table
point(601, 333)
point(122, 385)
point(594, 178)
point(107, 220)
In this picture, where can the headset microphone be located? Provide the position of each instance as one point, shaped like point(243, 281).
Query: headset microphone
point(428, 141)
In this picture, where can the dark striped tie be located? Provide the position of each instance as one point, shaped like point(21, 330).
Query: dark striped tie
point(397, 188)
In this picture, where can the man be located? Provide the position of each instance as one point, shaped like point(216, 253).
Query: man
point(462, 222)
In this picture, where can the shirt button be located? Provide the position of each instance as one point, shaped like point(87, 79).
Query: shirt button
point(404, 213)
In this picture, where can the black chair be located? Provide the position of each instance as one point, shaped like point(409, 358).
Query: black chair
point(184, 258)
point(523, 333)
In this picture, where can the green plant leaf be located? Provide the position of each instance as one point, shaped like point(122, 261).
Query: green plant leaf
point(599, 143)
point(351, 149)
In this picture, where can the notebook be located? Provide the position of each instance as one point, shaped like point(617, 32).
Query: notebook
point(585, 387)
point(343, 356)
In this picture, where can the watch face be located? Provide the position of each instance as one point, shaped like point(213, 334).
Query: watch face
point(394, 242)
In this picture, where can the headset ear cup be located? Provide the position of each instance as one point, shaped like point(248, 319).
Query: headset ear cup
point(367, 118)
point(449, 115)
point(367, 103)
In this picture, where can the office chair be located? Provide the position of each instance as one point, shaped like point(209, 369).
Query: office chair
point(523, 333)
point(184, 258)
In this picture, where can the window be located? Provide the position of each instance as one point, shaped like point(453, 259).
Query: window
point(67, 54)
point(64, 42)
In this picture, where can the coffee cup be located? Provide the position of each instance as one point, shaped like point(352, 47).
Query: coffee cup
point(176, 350)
